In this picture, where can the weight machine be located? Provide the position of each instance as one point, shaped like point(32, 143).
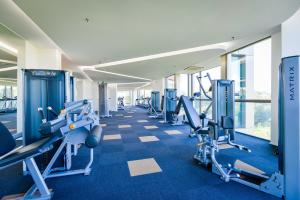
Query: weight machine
point(75, 125)
point(220, 131)
point(121, 103)
point(154, 105)
point(198, 96)
point(170, 111)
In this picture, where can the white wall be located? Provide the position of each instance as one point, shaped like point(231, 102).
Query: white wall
point(87, 89)
point(41, 58)
point(276, 59)
point(79, 89)
point(291, 36)
point(157, 85)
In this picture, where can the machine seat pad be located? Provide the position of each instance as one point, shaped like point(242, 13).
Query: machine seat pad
point(191, 114)
point(31, 150)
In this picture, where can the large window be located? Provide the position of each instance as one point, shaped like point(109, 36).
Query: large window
point(250, 67)
point(147, 93)
point(171, 82)
point(126, 95)
point(8, 94)
point(184, 85)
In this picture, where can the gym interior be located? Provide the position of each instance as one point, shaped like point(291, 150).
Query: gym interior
point(150, 99)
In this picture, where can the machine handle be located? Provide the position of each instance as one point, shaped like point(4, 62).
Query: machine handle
point(52, 111)
point(42, 114)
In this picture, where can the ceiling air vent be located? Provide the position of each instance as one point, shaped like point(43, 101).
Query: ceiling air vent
point(193, 69)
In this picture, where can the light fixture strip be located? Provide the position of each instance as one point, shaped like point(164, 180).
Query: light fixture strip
point(117, 74)
point(8, 48)
point(223, 46)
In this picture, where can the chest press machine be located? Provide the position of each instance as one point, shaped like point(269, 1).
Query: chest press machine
point(75, 125)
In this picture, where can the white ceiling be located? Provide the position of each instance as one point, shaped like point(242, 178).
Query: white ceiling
point(128, 29)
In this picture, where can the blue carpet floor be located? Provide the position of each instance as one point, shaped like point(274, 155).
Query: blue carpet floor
point(181, 177)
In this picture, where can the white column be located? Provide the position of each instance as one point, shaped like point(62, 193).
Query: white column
point(290, 36)
point(276, 59)
point(112, 97)
point(79, 89)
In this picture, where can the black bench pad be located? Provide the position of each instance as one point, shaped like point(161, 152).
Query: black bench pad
point(32, 150)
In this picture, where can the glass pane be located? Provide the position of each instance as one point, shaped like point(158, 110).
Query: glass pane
point(250, 67)
point(15, 92)
point(171, 82)
point(183, 87)
point(147, 93)
point(2, 91)
point(254, 119)
point(126, 95)
point(8, 91)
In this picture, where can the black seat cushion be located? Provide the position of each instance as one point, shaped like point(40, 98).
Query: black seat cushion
point(7, 141)
point(32, 150)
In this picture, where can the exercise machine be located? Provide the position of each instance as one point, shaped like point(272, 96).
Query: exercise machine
point(83, 113)
point(121, 103)
point(42, 89)
point(143, 102)
point(77, 122)
point(169, 108)
point(208, 98)
point(154, 105)
point(220, 131)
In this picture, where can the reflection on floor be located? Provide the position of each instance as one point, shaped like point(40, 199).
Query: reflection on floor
point(137, 162)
